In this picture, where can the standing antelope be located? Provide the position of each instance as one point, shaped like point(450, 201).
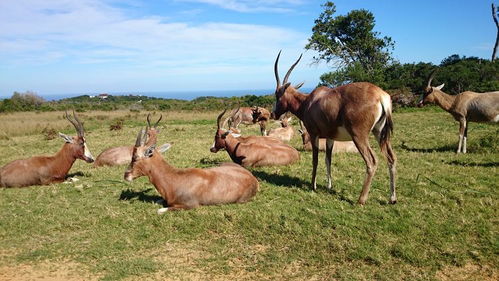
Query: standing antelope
point(464, 107)
point(121, 155)
point(239, 115)
point(261, 116)
point(254, 154)
point(43, 170)
point(189, 188)
point(348, 112)
point(285, 133)
point(339, 146)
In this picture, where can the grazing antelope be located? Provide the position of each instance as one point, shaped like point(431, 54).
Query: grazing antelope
point(239, 115)
point(189, 188)
point(285, 133)
point(43, 170)
point(248, 116)
point(261, 116)
point(339, 146)
point(464, 107)
point(264, 152)
point(121, 155)
point(348, 112)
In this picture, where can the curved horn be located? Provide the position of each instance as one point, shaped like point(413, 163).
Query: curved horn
point(298, 86)
point(148, 120)
point(432, 75)
point(157, 122)
point(291, 69)
point(138, 141)
point(276, 72)
point(76, 123)
point(220, 117)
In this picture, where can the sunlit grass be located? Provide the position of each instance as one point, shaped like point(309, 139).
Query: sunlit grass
point(445, 220)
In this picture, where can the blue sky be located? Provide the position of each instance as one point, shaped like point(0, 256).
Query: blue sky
point(94, 46)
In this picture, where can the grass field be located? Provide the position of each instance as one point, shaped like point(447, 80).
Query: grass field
point(444, 226)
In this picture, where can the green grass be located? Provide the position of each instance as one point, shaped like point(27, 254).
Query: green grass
point(446, 218)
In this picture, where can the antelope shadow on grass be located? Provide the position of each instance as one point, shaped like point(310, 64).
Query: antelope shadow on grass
point(473, 164)
point(445, 148)
point(130, 194)
point(294, 182)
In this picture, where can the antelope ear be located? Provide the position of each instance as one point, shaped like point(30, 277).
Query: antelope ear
point(440, 87)
point(150, 151)
point(300, 131)
point(298, 86)
point(224, 135)
point(236, 135)
point(66, 138)
point(164, 147)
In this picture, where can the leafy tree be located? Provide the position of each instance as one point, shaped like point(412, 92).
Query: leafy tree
point(351, 44)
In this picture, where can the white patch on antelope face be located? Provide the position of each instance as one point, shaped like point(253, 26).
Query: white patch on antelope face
point(87, 152)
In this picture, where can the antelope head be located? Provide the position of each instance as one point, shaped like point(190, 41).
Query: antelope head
point(142, 155)
point(77, 144)
point(428, 95)
point(220, 135)
point(152, 130)
point(284, 90)
point(305, 137)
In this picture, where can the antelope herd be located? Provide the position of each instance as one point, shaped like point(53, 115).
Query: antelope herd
point(333, 120)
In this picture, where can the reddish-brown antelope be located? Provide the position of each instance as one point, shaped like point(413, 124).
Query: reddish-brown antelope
point(193, 187)
point(464, 107)
point(285, 133)
point(265, 152)
point(121, 155)
point(339, 146)
point(43, 170)
point(348, 112)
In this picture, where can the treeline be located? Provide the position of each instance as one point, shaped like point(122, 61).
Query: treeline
point(458, 73)
point(30, 101)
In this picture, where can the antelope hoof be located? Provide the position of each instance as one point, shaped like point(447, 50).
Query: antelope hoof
point(162, 211)
point(361, 202)
point(393, 201)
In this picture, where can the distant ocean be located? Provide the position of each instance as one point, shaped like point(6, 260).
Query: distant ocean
point(183, 95)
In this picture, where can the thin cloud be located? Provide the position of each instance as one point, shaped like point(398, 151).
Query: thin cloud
point(251, 6)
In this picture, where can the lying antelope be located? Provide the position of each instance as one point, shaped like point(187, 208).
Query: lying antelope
point(339, 146)
point(285, 133)
point(121, 155)
point(348, 112)
point(464, 107)
point(265, 152)
point(193, 187)
point(43, 170)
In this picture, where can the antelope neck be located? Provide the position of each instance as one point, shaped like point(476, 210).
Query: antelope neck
point(63, 161)
point(444, 100)
point(296, 103)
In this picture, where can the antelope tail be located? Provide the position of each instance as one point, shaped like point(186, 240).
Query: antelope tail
point(387, 129)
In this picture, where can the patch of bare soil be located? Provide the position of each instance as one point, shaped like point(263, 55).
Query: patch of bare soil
point(468, 272)
point(45, 271)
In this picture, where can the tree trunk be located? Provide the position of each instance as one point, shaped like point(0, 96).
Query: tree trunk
point(494, 16)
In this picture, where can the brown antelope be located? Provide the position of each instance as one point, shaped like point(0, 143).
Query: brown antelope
point(121, 155)
point(248, 116)
point(43, 170)
point(261, 116)
point(190, 188)
point(253, 154)
point(339, 146)
point(348, 112)
point(464, 107)
point(285, 133)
